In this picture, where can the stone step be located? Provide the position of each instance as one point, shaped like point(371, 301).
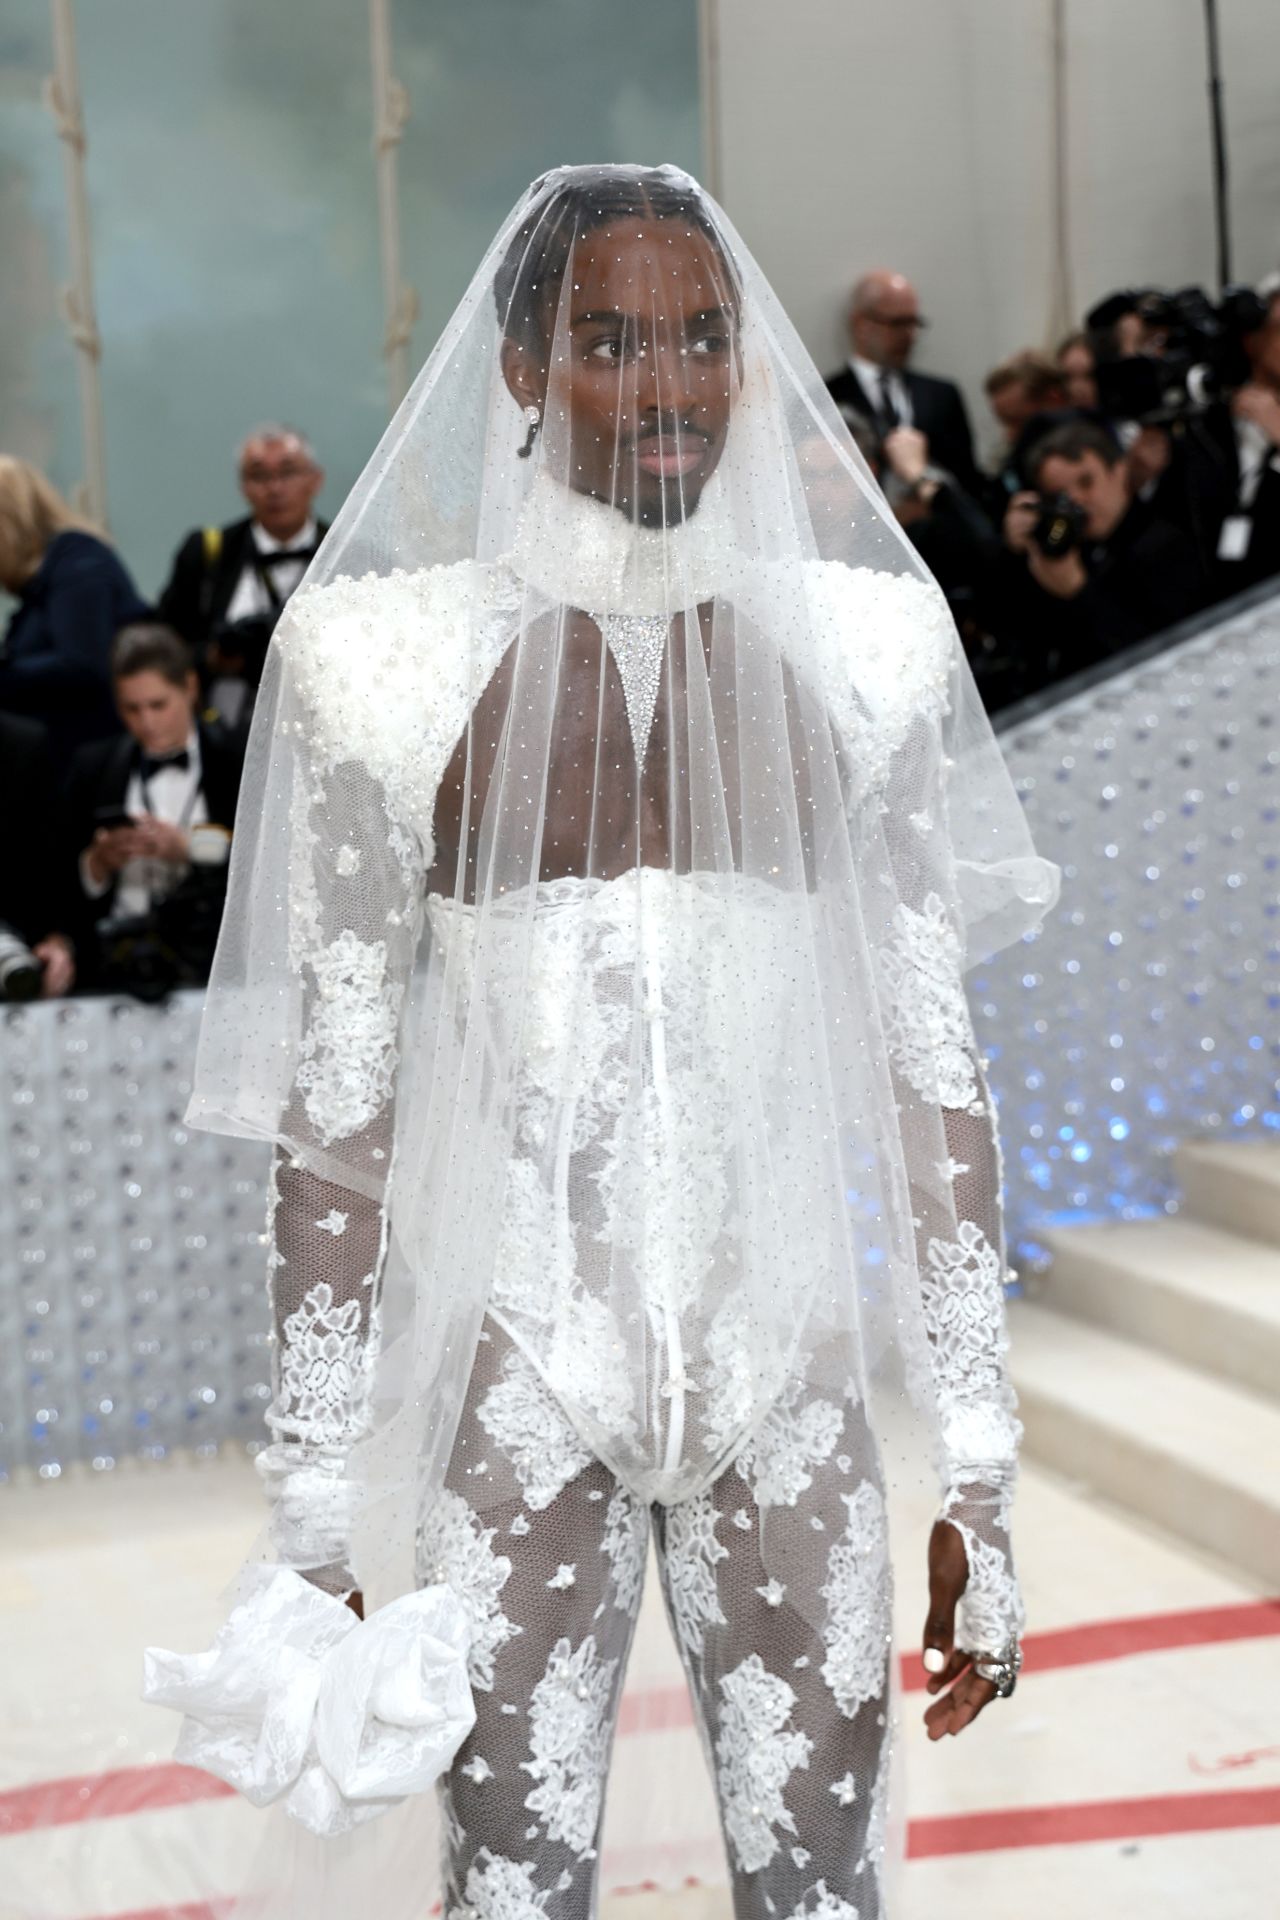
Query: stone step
point(1178, 1287)
point(1180, 1448)
point(1233, 1184)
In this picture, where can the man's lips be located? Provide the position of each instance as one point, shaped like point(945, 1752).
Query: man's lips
point(666, 459)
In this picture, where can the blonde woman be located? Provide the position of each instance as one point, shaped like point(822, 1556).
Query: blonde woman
point(73, 595)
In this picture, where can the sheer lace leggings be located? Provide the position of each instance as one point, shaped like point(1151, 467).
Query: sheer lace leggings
point(547, 1549)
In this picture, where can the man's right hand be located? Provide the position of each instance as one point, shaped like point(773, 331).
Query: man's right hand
point(1020, 517)
point(109, 850)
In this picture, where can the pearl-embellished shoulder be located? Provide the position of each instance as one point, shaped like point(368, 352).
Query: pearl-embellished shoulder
point(389, 668)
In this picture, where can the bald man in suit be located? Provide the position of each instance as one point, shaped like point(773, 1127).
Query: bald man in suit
point(878, 385)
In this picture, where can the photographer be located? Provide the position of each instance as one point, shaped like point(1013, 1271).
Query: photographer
point(150, 818)
point(36, 960)
point(1240, 489)
point(229, 584)
point(1087, 569)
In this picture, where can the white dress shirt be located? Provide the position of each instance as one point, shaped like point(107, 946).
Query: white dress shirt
point(870, 375)
point(172, 794)
point(249, 597)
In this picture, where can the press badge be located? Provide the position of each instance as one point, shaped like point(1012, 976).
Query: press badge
point(1233, 541)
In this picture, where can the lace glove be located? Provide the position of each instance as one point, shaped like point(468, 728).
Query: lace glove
point(965, 1312)
point(313, 1510)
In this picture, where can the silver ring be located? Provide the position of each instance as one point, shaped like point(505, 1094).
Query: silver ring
point(1001, 1669)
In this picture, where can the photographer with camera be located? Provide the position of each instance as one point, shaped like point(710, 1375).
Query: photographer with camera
point(1194, 393)
point(37, 962)
point(150, 818)
point(1087, 568)
point(229, 584)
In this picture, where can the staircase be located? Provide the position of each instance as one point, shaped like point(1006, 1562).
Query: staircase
point(1148, 1363)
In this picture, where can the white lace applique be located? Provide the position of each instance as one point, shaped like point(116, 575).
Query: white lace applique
point(568, 1738)
point(927, 1024)
point(962, 1295)
point(347, 861)
point(756, 1755)
point(349, 1050)
point(626, 1537)
point(333, 1222)
point(740, 1378)
point(453, 1548)
point(478, 1770)
point(500, 1889)
point(323, 1368)
point(845, 1790)
point(791, 1440)
point(521, 1416)
point(565, 1575)
point(991, 1609)
point(821, 1904)
point(857, 1593)
point(877, 1824)
point(692, 1552)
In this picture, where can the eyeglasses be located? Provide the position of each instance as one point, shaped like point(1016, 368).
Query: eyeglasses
point(262, 477)
point(900, 322)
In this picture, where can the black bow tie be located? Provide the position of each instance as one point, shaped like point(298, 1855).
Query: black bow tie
point(152, 764)
point(274, 558)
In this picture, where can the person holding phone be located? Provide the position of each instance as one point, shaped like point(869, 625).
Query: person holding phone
point(149, 807)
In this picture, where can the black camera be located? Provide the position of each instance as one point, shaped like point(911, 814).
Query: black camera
point(150, 955)
point(1201, 360)
point(20, 971)
point(245, 641)
point(1060, 525)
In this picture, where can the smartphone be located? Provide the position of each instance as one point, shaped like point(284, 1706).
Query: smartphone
point(107, 819)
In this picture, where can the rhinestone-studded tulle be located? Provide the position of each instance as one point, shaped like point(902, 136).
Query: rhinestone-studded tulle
point(637, 642)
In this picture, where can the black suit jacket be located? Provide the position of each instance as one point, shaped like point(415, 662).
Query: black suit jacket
point(938, 410)
point(36, 893)
point(100, 778)
point(1201, 488)
point(196, 597)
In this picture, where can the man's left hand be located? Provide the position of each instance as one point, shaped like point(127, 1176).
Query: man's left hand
point(962, 1695)
point(1063, 578)
point(57, 958)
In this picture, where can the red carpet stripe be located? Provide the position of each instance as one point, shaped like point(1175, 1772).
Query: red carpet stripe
point(1074, 1824)
point(105, 1796)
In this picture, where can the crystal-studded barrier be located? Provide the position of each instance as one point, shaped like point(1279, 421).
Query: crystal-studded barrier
point(133, 1317)
point(1148, 1008)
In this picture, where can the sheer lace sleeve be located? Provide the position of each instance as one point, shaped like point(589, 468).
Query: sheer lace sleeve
point(300, 1044)
point(354, 905)
point(949, 1129)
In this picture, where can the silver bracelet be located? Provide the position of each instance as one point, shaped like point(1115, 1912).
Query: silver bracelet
point(1001, 1669)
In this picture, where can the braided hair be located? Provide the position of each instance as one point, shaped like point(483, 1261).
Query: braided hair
point(528, 281)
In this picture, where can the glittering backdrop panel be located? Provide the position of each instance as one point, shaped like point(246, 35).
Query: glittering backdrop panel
point(132, 1311)
point(1148, 1008)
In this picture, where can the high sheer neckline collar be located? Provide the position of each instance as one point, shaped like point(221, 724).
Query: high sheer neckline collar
point(580, 552)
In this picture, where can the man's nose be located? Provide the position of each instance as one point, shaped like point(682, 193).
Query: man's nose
point(664, 377)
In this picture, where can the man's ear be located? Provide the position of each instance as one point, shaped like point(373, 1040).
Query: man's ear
point(526, 380)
